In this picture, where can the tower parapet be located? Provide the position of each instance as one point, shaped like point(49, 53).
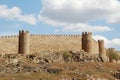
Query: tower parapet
point(87, 42)
point(111, 49)
point(23, 42)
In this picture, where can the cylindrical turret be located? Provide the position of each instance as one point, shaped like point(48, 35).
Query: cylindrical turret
point(20, 42)
point(23, 42)
point(83, 41)
point(89, 45)
point(101, 47)
point(87, 42)
point(102, 50)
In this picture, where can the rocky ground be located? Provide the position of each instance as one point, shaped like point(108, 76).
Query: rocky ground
point(63, 65)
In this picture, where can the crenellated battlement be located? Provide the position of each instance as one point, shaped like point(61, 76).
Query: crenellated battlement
point(10, 36)
point(86, 34)
point(111, 49)
point(23, 31)
point(52, 35)
point(101, 41)
point(26, 43)
point(39, 35)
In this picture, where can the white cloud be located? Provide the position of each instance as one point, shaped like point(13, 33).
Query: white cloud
point(74, 27)
point(15, 13)
point(76, 12)
point(108, 43)
point(85, 27)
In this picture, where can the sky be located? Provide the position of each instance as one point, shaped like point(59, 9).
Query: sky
point(101, 17)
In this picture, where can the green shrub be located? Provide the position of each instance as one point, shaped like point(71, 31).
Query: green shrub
point(66, 55)
point(113, 55)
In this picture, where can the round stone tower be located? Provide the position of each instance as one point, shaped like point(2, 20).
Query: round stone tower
point(87, 42)
point(23, 42)
point(20, 42)
point(102, 51)
point(83, 41)
point(101, 47)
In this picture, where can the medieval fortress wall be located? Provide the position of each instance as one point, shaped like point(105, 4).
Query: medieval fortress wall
point(8, 44)
point(95, 47)
point(26, 43)
point(54, 42)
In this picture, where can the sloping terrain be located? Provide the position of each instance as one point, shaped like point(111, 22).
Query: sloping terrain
point(66, 71)
point(56, 67)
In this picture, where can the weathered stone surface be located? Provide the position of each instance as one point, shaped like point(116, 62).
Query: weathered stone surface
point(16, 63)
point(54, 70)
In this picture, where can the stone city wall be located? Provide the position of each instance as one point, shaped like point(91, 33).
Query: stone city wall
point(37, 43)
point(9, 44)
point(95, 47)
point(54, 42)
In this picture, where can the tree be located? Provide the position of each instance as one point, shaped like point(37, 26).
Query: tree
point(113, 55)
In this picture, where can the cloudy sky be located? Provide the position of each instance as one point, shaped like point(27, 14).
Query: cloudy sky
point(101, 17)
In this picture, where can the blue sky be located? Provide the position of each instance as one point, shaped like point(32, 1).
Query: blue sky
point(102, 18)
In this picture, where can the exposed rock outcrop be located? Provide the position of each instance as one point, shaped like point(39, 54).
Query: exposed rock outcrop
point(14, 63)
